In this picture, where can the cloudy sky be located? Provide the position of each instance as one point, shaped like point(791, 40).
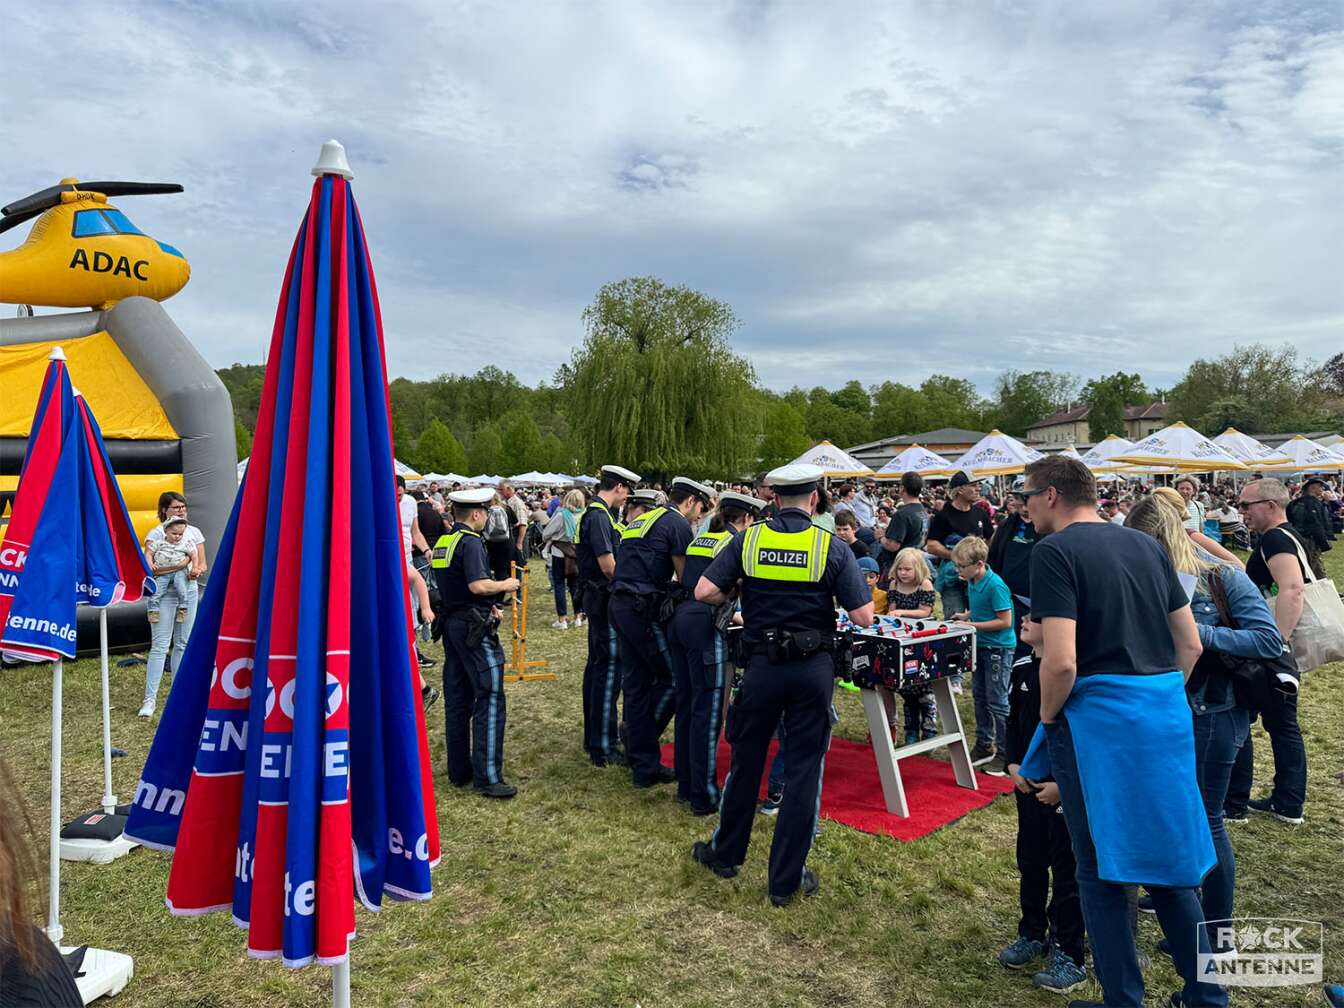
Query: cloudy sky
point(879, 191)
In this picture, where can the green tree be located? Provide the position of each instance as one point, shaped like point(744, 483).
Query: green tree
point(784, 435)
point(483, 452)
point(656, 386)
point(1282, 392)
point(242, 439)
point(897, 409)
point(555, 457)
point(521, 450)
point(1224, 413)
point(1023, 397)
point(951, 402)
point(828, 422)
point(439, 452)
point(854, 398)
point(1106, 399)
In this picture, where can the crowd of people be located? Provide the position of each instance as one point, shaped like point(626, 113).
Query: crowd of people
point(1078, 670)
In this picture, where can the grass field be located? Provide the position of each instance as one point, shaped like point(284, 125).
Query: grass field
point(581, 891)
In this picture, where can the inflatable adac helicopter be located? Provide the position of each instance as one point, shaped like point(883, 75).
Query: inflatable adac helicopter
point(166, 418)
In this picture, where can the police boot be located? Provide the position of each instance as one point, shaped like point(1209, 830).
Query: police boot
point(496, 790)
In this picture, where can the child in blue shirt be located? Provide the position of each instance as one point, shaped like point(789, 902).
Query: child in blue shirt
point(991, 613)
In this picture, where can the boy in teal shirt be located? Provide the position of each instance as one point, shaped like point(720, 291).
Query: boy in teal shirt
point(991, 613)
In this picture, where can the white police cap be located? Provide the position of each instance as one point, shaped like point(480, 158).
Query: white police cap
point(647, 497)
point(752, 504)
point(691, 486)
point(621, 474)
point(472, 498)
point(798, 478)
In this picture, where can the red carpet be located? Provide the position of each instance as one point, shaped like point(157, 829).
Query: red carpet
point(852, 792)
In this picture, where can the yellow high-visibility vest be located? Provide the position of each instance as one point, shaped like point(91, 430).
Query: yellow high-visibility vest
point(799, 557)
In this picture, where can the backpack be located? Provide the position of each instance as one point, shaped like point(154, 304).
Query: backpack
point(496, 525)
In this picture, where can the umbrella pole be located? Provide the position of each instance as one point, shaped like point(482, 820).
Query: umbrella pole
point(109, 799)
point(54, 930)
point(340, 984)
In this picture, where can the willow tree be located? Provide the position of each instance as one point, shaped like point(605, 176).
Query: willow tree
point(656, 387)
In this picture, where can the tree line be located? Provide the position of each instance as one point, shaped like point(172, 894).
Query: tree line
point(655, 383)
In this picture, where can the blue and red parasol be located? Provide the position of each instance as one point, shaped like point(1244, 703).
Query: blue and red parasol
point(290, 772)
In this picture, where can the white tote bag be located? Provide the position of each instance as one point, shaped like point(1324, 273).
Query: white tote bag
point(1319, 636)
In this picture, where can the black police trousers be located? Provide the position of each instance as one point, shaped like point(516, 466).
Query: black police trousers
point(646, 670)
point(1048, 871)
point(473, 705)
point(601, 678)
point(800, 692)
point(700, 655)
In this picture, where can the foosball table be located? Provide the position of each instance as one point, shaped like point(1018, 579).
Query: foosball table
point(897, 654)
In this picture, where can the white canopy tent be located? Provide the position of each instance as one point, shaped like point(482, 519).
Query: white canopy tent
point(1179, 448)
point(835, 463)
point(997, 454)
point(919, 460)
point(1247, 449)
point(1305, 455)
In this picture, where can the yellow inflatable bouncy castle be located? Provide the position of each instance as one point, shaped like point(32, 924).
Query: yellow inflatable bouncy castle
point(166, 418)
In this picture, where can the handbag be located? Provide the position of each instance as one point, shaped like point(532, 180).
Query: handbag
point(1254, 680)
point(1318, 637)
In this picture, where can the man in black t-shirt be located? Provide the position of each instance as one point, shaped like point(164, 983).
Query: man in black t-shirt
point(958, 519)
point(1275, 566)
point(1116, 622)
point(1010, 557)
point(910, 524)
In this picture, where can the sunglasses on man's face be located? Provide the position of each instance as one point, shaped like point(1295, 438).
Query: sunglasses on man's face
point(1026, 495)
point(1245, 505)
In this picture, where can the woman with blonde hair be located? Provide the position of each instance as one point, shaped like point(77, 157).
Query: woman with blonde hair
point(1221, 722)
point(557, 549)
point(1170, 498)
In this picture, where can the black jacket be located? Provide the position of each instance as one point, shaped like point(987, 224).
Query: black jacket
point(1024, 706)
point(1310, 516)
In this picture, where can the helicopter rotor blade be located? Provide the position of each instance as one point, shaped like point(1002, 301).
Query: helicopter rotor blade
point(51, 196)
point(130, 188)
point(15, 219)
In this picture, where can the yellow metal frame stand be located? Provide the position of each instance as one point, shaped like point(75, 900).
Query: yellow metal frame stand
point(518, 670)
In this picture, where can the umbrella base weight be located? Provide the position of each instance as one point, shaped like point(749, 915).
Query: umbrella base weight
point(97, 851)
point(105, 973)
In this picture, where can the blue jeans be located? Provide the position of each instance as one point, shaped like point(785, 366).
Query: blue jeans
point(989, 687)
point(1106, 904)
point(559, 582)
point(1218, 738)
point(168, 632)
point(1290, 759)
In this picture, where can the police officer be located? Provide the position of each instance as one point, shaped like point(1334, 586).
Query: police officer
point(700, 657)
point(595, 547)
point(473, 661)
point(789, 570)
point(653, 548)
point(642, 500)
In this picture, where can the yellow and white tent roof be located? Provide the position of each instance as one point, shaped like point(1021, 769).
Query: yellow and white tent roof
point(997, 454)
point(835, 463)
point(1247, 449)
point(1305, 455)
point(1098, 458)
point(1179, 448)
point(916, 459)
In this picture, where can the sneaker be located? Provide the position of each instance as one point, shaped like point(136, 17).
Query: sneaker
point(981, 753)
point(772, 802)
point(580, 620)
point(1267, 806)
point(561, 625)
point(1021, 952)
point(1146, 904)
point(1061, 976)
point(704, 853)
point(956, 688)
point(1236, 818)
point(808, 887)
point(1145, 961)
point(911, 737)
point(497, 790)
point(429, 695)
point(1334, 995)
point(147, 708)
point(997, 767)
